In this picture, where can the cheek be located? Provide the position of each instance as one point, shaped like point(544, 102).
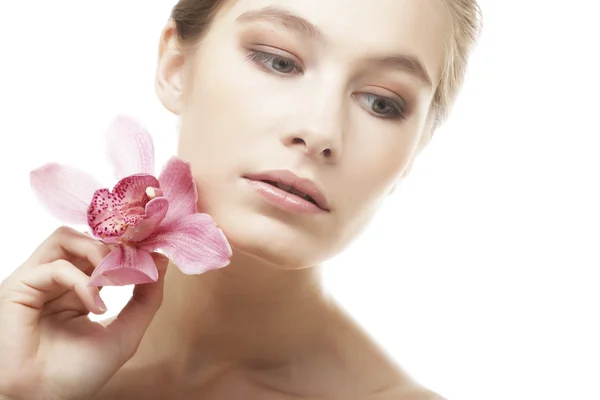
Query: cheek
point(369, 173)
point(227, 108)
point(376, 166)
point(214, 123)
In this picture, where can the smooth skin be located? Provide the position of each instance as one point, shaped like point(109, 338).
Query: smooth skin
point(257, 94)
point(49, 347)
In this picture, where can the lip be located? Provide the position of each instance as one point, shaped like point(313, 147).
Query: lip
point(289, 178)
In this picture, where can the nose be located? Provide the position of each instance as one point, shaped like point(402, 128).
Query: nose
point(319, 133)
point(315, 148)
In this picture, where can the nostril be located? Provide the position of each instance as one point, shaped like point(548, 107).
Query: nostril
point(326, 153)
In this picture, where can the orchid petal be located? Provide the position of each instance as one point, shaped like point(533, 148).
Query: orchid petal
point(125, 265)
point(130, 147)
point(194, 243)
point(65, 191)
point(178, 185)
point(110, 214)
point(155, 212)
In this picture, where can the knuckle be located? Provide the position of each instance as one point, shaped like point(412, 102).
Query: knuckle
point(62, 231)
point(61, 265)
point(64, 275)
point(68, 272)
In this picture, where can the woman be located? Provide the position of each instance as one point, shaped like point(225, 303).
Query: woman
point(341, 95)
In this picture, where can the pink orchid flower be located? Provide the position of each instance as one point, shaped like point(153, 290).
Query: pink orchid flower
point(142, 214)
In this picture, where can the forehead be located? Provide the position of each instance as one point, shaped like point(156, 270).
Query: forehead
point(362, 29)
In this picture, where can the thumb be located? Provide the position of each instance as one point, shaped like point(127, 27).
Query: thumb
point(161, 261)
point(133, 320)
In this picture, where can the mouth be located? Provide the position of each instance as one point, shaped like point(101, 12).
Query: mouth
point(291, 190)
point(301, 189)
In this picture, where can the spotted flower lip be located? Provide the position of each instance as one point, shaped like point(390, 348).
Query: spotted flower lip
point(140, 215)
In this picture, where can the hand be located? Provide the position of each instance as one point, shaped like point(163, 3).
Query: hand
point(49, 348)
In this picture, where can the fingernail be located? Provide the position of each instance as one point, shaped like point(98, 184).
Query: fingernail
point(100, 303)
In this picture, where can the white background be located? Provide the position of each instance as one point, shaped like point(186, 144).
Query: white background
point(480, 273)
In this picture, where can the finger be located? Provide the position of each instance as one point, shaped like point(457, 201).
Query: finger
point(133, 320)
point(69, 244)
point(161, 261)
point(28, 294)
point(68, 301)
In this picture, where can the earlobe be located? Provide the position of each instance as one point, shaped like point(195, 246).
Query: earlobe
point(170, 69)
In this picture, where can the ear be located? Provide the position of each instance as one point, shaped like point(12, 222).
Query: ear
point(170, 69)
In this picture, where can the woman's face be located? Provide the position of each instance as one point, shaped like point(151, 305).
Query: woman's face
point(336, 92)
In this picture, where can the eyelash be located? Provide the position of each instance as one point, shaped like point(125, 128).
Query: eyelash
point(264, 59)
point(397, 109)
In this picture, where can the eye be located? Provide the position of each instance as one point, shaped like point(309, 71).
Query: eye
point(277, 63)
point(382, 106)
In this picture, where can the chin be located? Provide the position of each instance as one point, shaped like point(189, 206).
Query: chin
point(263, 233)
point(271, 240)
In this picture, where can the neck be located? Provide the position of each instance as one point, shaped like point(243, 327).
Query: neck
point(248, 312)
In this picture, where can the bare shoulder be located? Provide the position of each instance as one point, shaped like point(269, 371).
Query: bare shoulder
point(382, 376)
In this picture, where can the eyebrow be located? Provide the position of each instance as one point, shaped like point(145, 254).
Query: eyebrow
point(406, 63)
point(303, 27)
point(284, 18)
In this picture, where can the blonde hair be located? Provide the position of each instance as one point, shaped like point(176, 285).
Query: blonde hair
point(466, 26)
point(193, 18)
